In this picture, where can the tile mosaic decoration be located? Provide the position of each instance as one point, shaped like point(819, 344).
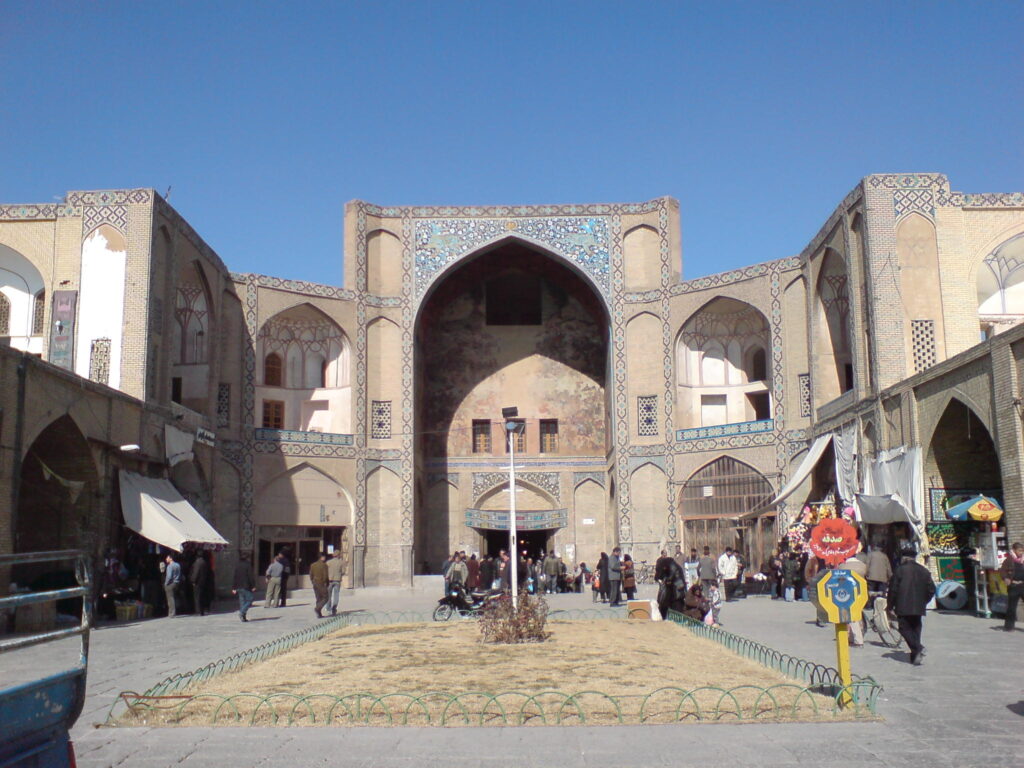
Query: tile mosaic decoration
point(296, 436)
point(95, 216)
point(546, 481)
point(726, 430)
point(582, 240)
point(223, 405)
point(804, 380)
point(380, 420)
point(29, 212)
point(579, 477)
point(913, 200)
point(647, 415)
point(526, 520)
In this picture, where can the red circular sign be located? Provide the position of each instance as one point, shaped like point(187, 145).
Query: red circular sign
point(834, 541)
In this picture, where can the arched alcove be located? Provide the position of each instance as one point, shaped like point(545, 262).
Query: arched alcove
point(641, 257)
point(22, 296)
point(1000, 281)
point(383, 263)
point(304, 372)
point(833, 374)
point(713, 503)
point(961, 452)
point(921, 292)
point(383, 527)
point(722, 370)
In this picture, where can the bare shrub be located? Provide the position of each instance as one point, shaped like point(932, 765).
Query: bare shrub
point(501, 623)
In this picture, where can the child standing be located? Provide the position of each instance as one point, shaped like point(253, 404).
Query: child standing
point(715, 598)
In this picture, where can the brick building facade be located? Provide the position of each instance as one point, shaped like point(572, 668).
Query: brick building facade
point(657, 411)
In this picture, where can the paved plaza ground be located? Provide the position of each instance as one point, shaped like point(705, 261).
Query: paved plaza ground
point(964, 707)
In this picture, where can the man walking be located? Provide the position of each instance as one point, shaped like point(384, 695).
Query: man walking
point(707, 570)
point(614, 578)
point(318, 575)
point(552, 565)
point(287, 565)
point(728, 569)
point(335, 572)
point(1012, 571)
point(274, 573)
point(910, 590)
point(172, 580)
point(200, 573)
point(879, 570)
point(243, 584)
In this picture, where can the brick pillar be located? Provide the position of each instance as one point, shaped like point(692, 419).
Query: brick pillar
point(1008, 437)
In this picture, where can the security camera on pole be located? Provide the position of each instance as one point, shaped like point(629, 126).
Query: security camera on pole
point(512, 428)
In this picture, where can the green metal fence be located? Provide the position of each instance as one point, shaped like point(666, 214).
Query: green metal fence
point(819, 695)
point(863, 691)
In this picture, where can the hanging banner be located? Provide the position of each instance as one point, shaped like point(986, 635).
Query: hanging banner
point(62, 329)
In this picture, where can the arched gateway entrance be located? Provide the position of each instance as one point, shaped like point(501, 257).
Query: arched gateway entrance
point(510, 325)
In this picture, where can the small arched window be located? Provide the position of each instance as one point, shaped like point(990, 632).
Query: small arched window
point(38, 308)
point(272, 370)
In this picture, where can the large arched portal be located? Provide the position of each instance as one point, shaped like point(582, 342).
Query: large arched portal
point(510, 326)
point(57, 499)
point(715, 506)
point(962, 454)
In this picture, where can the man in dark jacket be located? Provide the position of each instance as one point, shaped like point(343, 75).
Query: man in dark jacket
point(199, 574)
point(910, 590)
point(614, 577)
point(243, 584)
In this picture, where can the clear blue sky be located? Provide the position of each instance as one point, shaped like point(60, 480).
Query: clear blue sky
point(265, 118)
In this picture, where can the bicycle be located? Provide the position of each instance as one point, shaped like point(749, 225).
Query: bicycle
point(644, 572)
point(883, 623)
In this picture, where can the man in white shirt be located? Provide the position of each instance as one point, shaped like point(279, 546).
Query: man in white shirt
point(728, 570)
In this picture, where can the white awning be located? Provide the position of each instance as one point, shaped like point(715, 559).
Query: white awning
point(806, 467)
point(882, 510)
point(153, 508)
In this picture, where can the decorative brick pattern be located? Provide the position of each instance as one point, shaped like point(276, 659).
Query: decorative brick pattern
point(647, 415)
point(804, 380)
point(914, 200)
point(380, 420)
point(99, 361)
point(923, 342)
point(223, 405)
point(95, 216)
point(579, 477)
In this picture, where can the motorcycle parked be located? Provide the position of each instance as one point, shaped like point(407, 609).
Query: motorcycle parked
point(460, 601)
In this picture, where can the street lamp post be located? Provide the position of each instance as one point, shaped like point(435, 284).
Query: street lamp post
point(511, 429)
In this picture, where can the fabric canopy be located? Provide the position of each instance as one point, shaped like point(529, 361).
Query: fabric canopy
point(897, 472)
point(177, 445)
point(153, 508)
point(882, 510)
point(806, 467)
point(846, 462)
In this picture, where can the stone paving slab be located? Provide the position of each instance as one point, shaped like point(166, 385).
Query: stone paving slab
point(963, 708)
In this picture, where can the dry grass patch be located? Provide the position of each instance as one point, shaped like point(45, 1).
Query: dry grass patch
point(443, 674)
